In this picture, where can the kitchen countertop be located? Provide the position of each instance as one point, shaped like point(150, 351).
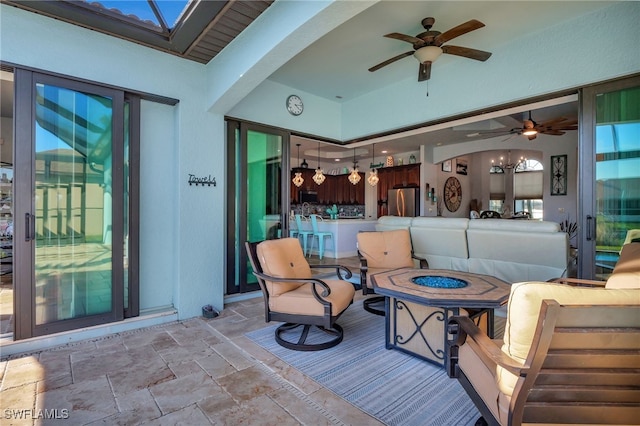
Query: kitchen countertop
point(344, 230)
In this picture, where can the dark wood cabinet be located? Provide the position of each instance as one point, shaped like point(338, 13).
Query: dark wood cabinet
point(336, 189)
point(395, 177)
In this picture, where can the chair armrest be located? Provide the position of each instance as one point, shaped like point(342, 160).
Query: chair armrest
point(463, 328)
point(338, 268)
point(326, 290)
point(424, 264)
point(578, 282)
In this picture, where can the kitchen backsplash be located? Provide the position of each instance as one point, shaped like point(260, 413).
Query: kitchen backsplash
point(306, 209)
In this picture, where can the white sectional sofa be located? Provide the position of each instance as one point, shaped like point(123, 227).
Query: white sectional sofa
point(509, 249)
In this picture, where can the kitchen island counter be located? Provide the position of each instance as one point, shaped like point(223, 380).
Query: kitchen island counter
point(343, 243)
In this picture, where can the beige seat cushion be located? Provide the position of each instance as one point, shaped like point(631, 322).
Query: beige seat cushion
point(626, 273)
point(525, 301)
point(301, 301)
point(282, 258)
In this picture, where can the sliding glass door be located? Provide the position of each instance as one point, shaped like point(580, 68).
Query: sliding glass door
point(73, 216)
point(256, 209)
point(610, 176)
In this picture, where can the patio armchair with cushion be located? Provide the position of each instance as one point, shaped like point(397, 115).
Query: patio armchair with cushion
point(380, 251)
point(570, 354)
point(308, 306)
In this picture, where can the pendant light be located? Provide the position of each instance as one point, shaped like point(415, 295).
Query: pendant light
point(298, 180)
point(373, 174)
point(319, 177)
point(354, 176)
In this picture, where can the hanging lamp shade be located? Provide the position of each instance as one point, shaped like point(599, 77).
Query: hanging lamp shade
point(373, 174)
point(319, 177)
point(354, 176)
point(373, 177)
point(298, 180)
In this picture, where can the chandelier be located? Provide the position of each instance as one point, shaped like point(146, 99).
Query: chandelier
point(373, 174)
point(354, 176)
point(501, 165)
point(298, 180)
point(319, 177)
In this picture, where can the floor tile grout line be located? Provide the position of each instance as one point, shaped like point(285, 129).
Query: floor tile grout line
point(290, 386)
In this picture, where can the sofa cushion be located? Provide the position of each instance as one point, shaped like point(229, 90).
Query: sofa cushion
point(524, 304)
point(442, 241)
point(386, 249)
point(389, 223)
point(282, 258)
point(517, 250)
point(626, 273)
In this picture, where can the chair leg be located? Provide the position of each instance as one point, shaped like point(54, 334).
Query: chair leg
point(375, 305)
point(321, 247)
point(300, 344)
point(304, 237)
point(313, 243)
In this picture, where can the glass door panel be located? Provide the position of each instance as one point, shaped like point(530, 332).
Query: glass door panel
point(73, 222)
point(609, 193)
point(264, 167)
point(617, 174)
point(261, 196)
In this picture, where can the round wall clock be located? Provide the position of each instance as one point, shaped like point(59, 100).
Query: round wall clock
point(295, 105)
point(452, 194)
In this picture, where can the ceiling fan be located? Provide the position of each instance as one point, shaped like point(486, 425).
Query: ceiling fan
point(531, 129)
point(428, 46)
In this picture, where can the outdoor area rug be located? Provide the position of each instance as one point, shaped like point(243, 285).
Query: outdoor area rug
point(394, 387)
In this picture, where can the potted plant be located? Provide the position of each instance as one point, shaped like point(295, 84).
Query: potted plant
point(571, 228)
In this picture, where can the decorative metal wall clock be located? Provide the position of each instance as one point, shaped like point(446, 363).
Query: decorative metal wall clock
point(558, 175)
point(452, 194)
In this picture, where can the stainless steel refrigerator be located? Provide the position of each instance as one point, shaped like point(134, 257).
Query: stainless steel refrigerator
point(403, 202)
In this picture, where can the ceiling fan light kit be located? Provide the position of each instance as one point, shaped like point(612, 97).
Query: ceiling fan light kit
point(427, 54)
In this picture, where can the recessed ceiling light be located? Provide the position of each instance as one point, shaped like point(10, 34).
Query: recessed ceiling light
point(385, 151)
point(337, 159)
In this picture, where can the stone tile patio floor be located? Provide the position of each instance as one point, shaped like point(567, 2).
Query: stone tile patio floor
point(194, 372)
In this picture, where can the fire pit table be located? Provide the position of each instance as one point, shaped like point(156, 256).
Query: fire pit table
point(419, 303)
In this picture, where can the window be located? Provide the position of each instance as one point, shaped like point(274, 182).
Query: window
point(496, 188)
point(527, 188)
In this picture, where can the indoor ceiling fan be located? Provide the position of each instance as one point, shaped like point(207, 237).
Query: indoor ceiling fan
point(428, 46)
point(531, 129)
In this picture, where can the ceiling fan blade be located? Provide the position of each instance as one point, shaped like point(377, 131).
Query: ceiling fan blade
point(552, 132)
point(391, 60)
point(466, 52)
point(458, 31)
point(553, 121)
point(404, 37)
point(424, 72)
